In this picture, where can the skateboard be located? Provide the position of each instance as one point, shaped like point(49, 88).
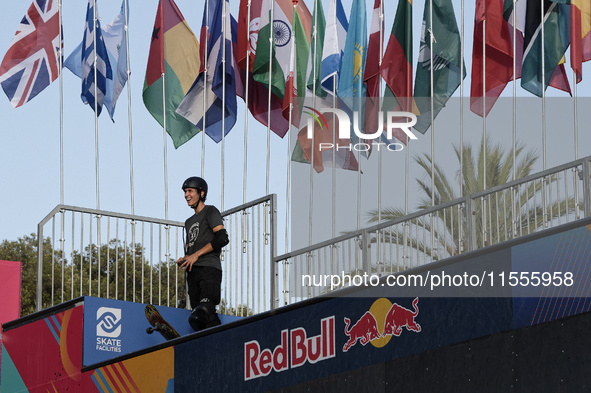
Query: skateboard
point(159, 324)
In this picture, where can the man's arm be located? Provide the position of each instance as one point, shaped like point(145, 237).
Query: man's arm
point(220, 240)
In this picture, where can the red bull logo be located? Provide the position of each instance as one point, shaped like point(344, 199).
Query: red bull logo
point(380, 323)
point(295, 349)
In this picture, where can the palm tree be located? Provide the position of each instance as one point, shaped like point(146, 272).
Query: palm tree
point(508, 212)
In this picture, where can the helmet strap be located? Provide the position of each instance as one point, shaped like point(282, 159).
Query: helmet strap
point(198, 200)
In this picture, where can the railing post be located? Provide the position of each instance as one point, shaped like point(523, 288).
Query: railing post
point(365, 251)
point(586, 188)
point(274, 290)
point(39, 266)
point(470, 224)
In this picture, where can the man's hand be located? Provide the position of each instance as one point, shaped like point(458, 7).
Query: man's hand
point(187, 261)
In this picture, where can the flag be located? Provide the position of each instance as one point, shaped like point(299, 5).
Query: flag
point(173, 65)
point(240, 92)
point(298, 64)
point(323, 136)
point(351, 89)
point(114, 36)
point(215, 92)
point(498, 58)
point(372, 69)
point(371, 76)
point(271, 63)
point(317, 97)
point(556, 41)
point(249, 17)
point(316, 48)
point(334, 45)
point(580, 50)
point(31, 62)
point(95, 61)
point(258, 93)
point(396, 68)
point(559, 79)
point(353, 61)
point(445, 63)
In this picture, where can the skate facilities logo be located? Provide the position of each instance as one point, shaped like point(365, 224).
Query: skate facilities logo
point(380, 323)
point(108, 329)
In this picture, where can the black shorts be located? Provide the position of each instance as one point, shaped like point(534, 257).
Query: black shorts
point(204, 282)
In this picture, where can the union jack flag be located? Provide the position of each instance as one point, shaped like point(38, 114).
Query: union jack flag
point(31, 62)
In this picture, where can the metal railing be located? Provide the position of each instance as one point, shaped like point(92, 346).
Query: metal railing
point(120, 256)
point(518, 208)
point(137, 261)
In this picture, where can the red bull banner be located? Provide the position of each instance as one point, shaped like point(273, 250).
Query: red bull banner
point(499, 289)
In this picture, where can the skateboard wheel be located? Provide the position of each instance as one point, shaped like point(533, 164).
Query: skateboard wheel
point(149, 330)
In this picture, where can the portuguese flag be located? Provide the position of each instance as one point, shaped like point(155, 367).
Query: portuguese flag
point(173, 65)
point(396, 66)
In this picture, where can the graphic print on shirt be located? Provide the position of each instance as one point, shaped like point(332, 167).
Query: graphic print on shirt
point(193, 233)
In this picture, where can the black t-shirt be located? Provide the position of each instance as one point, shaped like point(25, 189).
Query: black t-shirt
point(199, 229)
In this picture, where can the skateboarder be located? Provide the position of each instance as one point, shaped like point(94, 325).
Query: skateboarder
point(205, 238)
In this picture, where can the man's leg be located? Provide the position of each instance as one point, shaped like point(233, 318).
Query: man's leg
point(204, 314)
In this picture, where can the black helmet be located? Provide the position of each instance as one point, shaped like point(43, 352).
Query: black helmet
point(197, 183)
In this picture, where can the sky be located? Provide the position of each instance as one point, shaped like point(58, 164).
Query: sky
point(30, 136)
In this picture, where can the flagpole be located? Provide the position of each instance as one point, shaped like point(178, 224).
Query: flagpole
point(544, 217)
point(483, 213)
point(131, 186)
point(61, 89)
point(96, 143)
point(246, 102)
point(462, 50)
point(271, 44)
point(96, 146)
point(462, 106)
point(333, 249)
point(224, 16)
point(409, 107)
point(128, 71)
point(334, 156)
point(378, 240)
point(287, 201)
point(314, 54)
point(576, 141)
point(513, 196)
point(205, 89)
point(432, 40)
point(576, 116)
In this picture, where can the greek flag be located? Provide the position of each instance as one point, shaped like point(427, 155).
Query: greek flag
point(90, 87)
point(114, 36)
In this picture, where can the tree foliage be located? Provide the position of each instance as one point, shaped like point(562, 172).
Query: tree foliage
point(117, 271)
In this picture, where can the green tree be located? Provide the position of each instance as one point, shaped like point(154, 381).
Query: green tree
point(127, 274)
point(123, 270)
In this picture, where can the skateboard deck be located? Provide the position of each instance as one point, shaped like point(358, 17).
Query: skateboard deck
point(159, 324)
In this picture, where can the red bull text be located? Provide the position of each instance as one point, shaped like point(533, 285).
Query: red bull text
point(295, 350)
